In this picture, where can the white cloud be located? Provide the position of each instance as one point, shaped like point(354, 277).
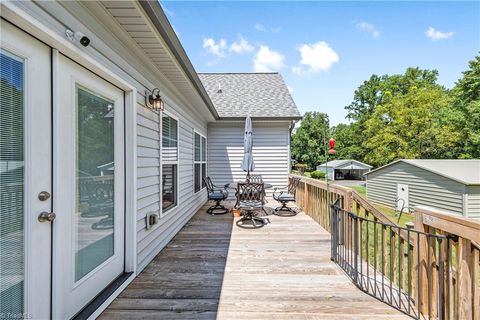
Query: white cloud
point(370, 28)
point(242, 46)
point(215, 48)
point(260, 27)
point(315, 58)
point(438, 35)
point(267, 60)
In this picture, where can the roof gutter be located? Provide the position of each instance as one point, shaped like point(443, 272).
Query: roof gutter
point(163, 26)
point(293, 118)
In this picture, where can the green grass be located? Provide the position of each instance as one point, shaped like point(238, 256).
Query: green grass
point(361, 190)
point(390, 212)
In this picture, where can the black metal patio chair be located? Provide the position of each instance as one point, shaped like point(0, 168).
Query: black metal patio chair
point(285, 196)
point(250, 199)
point(217, 194)
point(257, 178)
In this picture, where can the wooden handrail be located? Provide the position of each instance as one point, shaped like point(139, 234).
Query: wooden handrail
point(464, 234)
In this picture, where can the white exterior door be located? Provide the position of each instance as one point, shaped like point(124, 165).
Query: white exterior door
point(61, 154)
point(25, 172)
point(402, 197)
point(88, 186)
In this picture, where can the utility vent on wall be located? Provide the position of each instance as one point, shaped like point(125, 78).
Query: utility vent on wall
point(151, 219)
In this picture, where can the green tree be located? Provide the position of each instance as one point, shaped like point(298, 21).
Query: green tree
point(369, 96)
point(413, 125)
point(348, 144)
point(307, 141)
point(467, 102)
point(375, 90)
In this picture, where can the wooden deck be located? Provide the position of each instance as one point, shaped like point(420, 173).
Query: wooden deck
point(214, 270)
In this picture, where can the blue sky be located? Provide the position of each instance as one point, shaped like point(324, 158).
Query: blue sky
point(325, 50)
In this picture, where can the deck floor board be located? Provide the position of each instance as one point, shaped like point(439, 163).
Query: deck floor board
point(214, 270)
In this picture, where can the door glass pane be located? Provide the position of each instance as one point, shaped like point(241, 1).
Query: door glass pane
point(95, 167)
point(12, 268)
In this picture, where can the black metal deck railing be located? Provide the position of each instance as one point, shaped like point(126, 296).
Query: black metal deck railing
point(383, 260)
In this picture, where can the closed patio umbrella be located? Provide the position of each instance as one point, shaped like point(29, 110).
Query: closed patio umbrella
point(247, 164)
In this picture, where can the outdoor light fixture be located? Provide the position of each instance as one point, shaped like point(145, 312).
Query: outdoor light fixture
point(153, 100)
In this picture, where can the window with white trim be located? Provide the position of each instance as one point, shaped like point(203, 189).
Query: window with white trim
point(200, 161)
point(169, 162)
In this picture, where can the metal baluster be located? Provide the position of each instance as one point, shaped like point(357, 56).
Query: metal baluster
point(361, 253)
point(367, 253)
point(383, 264)
point(391, 265)
point(400, 267)
point(409, 272)
point(375, 242)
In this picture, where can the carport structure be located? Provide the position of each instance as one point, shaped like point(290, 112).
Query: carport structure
point(345, 169)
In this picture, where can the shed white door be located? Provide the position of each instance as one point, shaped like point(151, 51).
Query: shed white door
point(25, 171)
point(402, 197)
point(88, 187)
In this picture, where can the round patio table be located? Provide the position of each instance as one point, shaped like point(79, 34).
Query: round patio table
point(234, 185)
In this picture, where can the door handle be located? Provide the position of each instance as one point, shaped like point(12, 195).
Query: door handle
point(46, 216)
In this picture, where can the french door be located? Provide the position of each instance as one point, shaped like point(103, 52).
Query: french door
point(62, 181)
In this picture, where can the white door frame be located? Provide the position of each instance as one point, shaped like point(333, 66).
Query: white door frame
point(31, 25)
point(37, 166)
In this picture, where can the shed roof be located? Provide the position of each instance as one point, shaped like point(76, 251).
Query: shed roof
point(346, 164)
point(466, 171)
point(260, 95)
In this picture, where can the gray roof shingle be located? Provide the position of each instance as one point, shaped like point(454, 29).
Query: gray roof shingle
point(260, 95)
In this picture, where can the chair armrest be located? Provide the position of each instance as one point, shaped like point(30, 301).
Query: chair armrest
point(278, 189)
point(219, 187)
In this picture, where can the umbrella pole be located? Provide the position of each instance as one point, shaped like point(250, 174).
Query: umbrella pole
point(248, 176)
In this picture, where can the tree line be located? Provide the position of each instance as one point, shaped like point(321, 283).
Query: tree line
point(401, 116)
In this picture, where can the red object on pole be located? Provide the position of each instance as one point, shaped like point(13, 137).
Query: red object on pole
point(331, 142)
point(332, 151)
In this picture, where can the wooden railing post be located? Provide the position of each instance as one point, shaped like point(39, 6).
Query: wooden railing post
point(464, 280)
point(305, 196)
point(421, 263)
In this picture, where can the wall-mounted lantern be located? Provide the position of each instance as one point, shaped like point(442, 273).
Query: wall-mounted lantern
point(153, 100)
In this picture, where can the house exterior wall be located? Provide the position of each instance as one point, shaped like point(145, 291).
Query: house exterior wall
point(473, 201)
point(129, 67)
point(151, 242)
point(425, 188)
point(271, 144)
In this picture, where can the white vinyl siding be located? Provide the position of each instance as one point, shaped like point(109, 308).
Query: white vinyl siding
point(270, 152)
point(150, 242)
point(122, 57)
point(425, 187)
point(473, 201)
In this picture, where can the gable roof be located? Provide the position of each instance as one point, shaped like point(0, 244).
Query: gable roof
point(349, 163)
point(260, 95)
point(466, 171)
